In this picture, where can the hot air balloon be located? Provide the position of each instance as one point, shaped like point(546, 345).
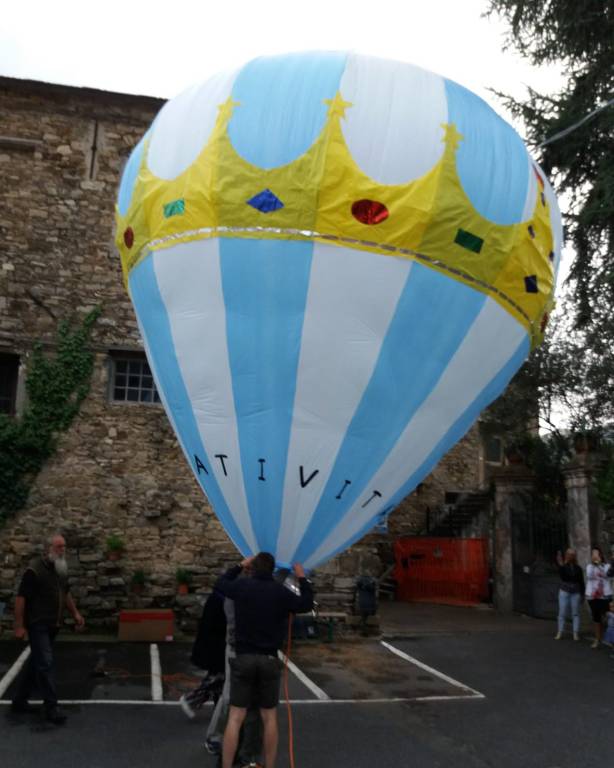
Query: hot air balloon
point(336, 262)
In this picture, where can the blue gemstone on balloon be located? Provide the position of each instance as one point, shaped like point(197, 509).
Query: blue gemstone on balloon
point(266, 202)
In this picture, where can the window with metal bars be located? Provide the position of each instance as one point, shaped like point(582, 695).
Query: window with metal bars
point(131, 379)
point(493, 450)
point(9, 372)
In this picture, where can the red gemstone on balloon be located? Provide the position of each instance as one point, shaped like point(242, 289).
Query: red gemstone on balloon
point(129, 237)
point(369, 211)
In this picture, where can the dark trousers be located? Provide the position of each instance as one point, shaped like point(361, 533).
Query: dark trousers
point(38, 671)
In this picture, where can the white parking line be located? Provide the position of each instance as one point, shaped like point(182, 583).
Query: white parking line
point(157, 696)
point(156, 674)
point(316, 690)
point(473, 694)
point(298, 702)
point(13, 671)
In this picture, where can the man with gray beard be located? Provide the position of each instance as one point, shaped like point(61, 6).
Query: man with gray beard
point(42, 596)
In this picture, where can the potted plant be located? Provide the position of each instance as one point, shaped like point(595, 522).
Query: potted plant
point(137, 582)
point(184, 579)
point(115, 547)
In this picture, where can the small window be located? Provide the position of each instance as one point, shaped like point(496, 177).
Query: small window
point(131, 379)
point(493, 450)
point(9, 371)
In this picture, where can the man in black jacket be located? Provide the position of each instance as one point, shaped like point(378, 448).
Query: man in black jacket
point(262, 607)
point(41, 600)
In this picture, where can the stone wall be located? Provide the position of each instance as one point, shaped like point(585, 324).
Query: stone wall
point(119, 468)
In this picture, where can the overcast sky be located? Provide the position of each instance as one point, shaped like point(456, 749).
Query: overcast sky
point(159, 48)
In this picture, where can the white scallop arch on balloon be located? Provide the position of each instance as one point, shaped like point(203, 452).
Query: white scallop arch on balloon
point(183, 126)
point(393, 138)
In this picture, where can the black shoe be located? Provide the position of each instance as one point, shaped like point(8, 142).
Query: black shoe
point(24, 708)
point(55, 716)
point(213, 747)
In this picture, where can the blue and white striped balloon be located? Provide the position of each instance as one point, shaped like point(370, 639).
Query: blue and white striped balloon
point(315, 369)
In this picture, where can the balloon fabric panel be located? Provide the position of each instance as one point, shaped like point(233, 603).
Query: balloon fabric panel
point(281, 111)
point(341, 343)
point(415, 351)
point(265, 286)
point(170, 379)
point(491, 159)
point(437, 426)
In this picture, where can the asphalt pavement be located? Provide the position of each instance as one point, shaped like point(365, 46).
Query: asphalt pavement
point(477, 691)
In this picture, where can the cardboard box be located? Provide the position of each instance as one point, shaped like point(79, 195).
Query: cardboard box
point(146, 625)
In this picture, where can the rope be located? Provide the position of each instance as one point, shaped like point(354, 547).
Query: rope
point(571, 128)
point(176, 682)
point(289, 708)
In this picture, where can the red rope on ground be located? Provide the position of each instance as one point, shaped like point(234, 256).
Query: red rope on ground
point(290, 724)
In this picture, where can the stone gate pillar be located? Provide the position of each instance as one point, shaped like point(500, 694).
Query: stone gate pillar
point(513, 491)
point(583, 511)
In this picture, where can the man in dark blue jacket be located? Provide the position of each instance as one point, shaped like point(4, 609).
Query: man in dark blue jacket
point(262, 607)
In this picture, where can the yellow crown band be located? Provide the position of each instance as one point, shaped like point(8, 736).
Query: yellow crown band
point(429, 219)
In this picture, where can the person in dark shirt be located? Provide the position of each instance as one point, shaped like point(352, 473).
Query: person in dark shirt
point(571, 592)
point(42, 596)
point(262, 607)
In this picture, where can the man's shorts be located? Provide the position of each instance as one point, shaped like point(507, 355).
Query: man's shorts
point(254, 681)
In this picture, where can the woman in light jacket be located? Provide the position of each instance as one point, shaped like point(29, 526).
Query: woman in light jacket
point(598, 590)
point(571, 592)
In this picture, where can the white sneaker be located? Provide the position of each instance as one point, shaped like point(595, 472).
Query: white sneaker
point(595, 644)
point(576, 636)
point(187, 709)
point(558, 636)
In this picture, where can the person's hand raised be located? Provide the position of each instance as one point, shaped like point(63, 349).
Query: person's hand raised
point(299, 571)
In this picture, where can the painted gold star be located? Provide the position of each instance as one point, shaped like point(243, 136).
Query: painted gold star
point(337, 106)
point(452, 137)
point(227, 108)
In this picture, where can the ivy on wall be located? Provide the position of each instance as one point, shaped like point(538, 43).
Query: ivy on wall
point(56, 386)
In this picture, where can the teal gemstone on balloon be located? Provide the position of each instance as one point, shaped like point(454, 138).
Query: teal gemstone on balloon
point(176, 208)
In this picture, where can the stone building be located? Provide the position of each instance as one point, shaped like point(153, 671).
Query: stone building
point(118, 469)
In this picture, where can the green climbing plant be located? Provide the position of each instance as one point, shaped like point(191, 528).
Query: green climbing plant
point(56, 386)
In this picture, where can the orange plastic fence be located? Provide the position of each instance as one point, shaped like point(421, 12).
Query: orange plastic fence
point(441, 570)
